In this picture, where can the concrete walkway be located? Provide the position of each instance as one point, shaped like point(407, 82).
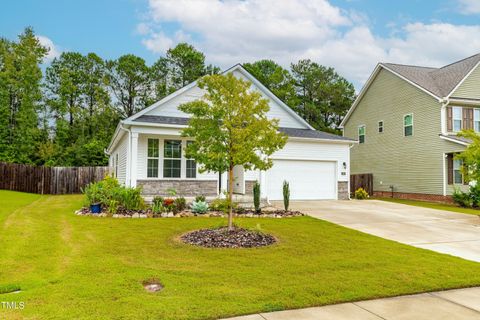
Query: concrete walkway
point(442, 231)
point(461, 304)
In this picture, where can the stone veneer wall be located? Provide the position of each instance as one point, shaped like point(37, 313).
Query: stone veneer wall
point(342, 190)
point(185, 188)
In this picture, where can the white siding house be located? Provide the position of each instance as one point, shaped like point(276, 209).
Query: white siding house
point(147, 150)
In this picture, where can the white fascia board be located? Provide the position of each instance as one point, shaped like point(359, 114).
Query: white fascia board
point(463, 80)
point(454, 140)
point(116, 136)
point(330, 141)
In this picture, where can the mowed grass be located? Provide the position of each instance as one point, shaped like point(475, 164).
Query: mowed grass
point(72, 267)
point(434, 205)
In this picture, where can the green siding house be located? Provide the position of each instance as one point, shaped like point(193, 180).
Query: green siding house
point(406, 119)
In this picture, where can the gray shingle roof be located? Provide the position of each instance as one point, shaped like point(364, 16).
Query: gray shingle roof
point(291, 132)
point(457, 138)
point(439, 81)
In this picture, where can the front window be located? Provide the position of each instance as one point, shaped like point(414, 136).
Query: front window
point(457, 171)
point(408, 125)
point(361, 134)
point(172, 154)
point(457, 119)
point(191, 166)
point(152, 158)
point(380, 126)
point(476, 120)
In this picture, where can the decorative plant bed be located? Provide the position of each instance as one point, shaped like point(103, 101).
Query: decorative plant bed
point(187, 213)
point(223, 238)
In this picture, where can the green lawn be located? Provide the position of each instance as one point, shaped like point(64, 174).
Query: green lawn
point(75, 267)
point(434, 205)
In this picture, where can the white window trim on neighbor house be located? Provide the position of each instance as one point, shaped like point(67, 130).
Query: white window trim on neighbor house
point(405, 125)
point(457, 171)
point(457, 120)
point(364, 133)
point(476, 120)
point(381, 124)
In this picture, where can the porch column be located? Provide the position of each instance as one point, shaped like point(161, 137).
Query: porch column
point(224, 187)
point(133, 162)
point(445, 173)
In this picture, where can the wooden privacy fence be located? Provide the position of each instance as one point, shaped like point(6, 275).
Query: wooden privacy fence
point(48, 180)
point(364, 180)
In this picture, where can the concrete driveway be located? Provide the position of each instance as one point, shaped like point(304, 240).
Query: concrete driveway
point(442, 231)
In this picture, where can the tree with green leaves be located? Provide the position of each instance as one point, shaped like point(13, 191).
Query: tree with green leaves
point(471, 156)
point(276, 79)
point(230, 128)
point(324, 96)
point(129, 78)
point(20, 97)
point(185, 63)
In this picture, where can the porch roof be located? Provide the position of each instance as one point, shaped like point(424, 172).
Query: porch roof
point(291, 132)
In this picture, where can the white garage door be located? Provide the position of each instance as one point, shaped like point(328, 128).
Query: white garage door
point(309, 180)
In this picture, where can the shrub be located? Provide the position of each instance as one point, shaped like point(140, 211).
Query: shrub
point(463, 199)
point(286, 195)
point(200, 199)
point(157, 205)
point(361, 194)
point(256, 196)
point(475, 195)
point(180, 204)
point(199, 206)
point(131, 199)
point(222, 204)
point(92, 193)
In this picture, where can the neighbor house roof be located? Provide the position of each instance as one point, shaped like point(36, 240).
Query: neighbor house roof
point(291, 132)
point(439, 81)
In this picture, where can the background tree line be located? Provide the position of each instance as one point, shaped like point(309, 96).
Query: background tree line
point(66, 114)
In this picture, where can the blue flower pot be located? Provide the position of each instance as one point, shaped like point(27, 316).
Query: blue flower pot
point(96, 208)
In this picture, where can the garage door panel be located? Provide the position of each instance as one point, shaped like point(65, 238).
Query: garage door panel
point(309, 180)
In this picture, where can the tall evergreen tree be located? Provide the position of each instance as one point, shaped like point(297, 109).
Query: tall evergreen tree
point(130, 81)
point(20, 97)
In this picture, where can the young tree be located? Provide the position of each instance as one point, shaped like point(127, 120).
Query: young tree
point(471, 156)
point(230, 127)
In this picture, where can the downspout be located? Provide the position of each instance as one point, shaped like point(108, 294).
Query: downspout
point(129, 155)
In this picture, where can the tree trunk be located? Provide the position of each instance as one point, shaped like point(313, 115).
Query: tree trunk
point(230, 197)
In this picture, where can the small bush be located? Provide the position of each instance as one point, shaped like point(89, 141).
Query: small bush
point(199, 207)
point(92, 193)
point(131, 199)
point(286, 195)
point(475, 195)
point(463, 199)
point(361, 194)
point(222, 204)
point(200, 199)
point(180, 204)
point(256, 196)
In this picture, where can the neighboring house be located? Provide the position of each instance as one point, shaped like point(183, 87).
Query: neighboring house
point(148, 151)
point(406, 119)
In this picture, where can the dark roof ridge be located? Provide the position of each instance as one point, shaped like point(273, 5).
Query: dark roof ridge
point(459, 61)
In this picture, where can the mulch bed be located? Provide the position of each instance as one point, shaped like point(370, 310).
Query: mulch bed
point(222, 238)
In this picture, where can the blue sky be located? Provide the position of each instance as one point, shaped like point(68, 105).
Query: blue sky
point(350, 35)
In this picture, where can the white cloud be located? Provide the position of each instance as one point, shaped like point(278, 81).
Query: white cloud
point(469, 6)
point(53, 50)
point(235, 31)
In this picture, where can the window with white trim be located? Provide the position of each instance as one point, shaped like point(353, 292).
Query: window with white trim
point(457, 171)
point(457, 119)
point(153, 154)
point(380, 126)
point(476, 120)
point(361, 134)
point(172, 158)
point(191, 166)
point(408, 125)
